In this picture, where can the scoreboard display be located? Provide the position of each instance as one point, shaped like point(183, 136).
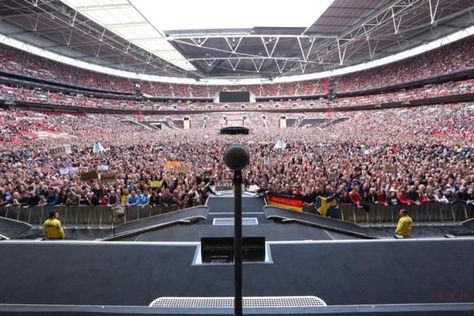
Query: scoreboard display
point(234, 96)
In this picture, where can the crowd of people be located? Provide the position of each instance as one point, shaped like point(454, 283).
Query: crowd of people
point(447, 59)
point(452, 58)
point(19, 62)
point(303, 88)
point(426, 92)
point(22, 94)
point(386, 157)
point(403, 156)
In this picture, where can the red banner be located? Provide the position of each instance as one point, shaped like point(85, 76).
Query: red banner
point(286, 201)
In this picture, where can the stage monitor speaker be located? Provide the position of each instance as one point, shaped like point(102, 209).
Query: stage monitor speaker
point(221, 249)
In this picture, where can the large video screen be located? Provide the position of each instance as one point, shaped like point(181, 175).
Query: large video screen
point(234, 96)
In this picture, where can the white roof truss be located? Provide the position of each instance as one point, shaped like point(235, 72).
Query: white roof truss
point(123, 19)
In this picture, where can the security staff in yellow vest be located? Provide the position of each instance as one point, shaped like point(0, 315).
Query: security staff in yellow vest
point(53, 228)
point(404, 225)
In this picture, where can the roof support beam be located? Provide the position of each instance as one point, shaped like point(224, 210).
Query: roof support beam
point(102, 7)
point(266, 44)
point(408, 19)
point(257, 65)
point(341, 52)
point(283, 64)
point(234, 62)
point(391, 14)
point(35, 27)
point(235, 57)
point(74, 18)
point(433, 10)
point(233, 43)
point(97, 52)
point(199, 41)
point(303, 66)
point(33, 2)
point(101, 37)
point(372, 48)
point(396, 21)
point(227, 51)
point(209, 60)
point(173, 37)
point(306, 54)
point(68, 41)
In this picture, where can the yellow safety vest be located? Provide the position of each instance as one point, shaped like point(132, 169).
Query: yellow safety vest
point(404, 226)
point(53, 229)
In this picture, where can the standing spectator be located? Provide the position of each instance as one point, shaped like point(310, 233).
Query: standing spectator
point(403, 197)
point(461, 196)
point(133, 199)
point(154, 199)
point(440, 198)
point(143, 198)
point(354, 196)
point(413, 195)
point(113, 198)
point(42, 201)
point(53, 196)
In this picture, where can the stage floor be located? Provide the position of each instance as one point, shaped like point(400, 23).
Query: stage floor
point(339, 272)
point(303, 260)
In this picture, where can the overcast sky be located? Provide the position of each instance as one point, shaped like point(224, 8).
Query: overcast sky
point(212, 14)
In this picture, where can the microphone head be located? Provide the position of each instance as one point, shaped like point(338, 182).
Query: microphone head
point(236, 157)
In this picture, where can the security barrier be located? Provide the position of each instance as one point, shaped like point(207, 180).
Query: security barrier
point(93, 216)
point(426, 213)
point(98, 216)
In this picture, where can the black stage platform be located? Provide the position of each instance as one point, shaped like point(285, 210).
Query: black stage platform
point(252, 208)
point(317, 221)
point(469, 224)
point(339, 272)
point(458, 309)
point(137, 227)
point(302, 260)
point(10, 228)
point(225, 204)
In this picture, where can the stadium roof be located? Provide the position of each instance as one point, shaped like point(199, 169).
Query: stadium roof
point(124, 35)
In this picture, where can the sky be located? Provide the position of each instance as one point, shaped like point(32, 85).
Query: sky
point(215, 14)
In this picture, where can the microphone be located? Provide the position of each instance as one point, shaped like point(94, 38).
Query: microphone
point(236, 157)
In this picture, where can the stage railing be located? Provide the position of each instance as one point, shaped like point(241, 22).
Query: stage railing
point(452, 213)
point(94, 216)
point(98, 216)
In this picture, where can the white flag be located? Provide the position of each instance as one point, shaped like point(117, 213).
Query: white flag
point(97, 148)
point(280, 145)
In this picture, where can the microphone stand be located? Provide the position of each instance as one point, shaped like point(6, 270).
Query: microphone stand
point(112, 213)
point(237, 181)
point(237, 157)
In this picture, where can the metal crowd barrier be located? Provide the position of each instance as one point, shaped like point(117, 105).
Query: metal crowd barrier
point(439, 213)
point(96, 216)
